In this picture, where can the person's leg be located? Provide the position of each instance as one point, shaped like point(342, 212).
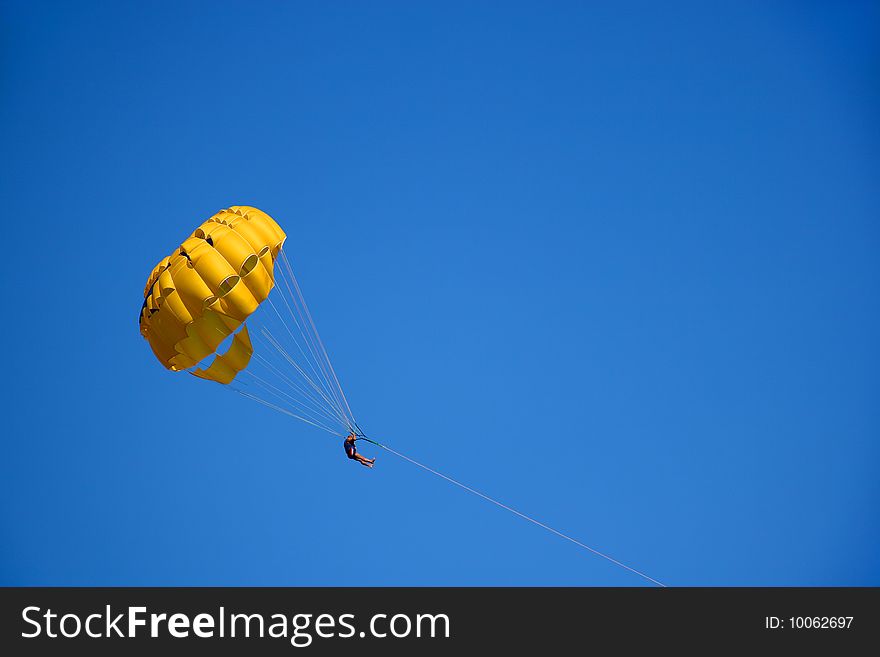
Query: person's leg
point(363, 460)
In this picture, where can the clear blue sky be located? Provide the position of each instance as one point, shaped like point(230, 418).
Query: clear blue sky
point(615, 264)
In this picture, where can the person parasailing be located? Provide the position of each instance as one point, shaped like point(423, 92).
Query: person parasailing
point(352, 453)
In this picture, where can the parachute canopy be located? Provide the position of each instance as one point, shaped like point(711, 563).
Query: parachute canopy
point(202, 293)
point(205, 291)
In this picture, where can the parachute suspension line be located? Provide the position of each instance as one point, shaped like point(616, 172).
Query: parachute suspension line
point(307, 336)
point(301, 383)
point(319, 363)
point(329, 411)
point(307, 403)
point(329, 404)
point(308, 322)
point(309, 399)
point(283, 407)
point(282, 410)
point(296, 404)
point(308, 361)
point(311, 362)
point(326, 403)
point(317, 336)
point(513, 511)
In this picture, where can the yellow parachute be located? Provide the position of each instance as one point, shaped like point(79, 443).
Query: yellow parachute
point(204, 291)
